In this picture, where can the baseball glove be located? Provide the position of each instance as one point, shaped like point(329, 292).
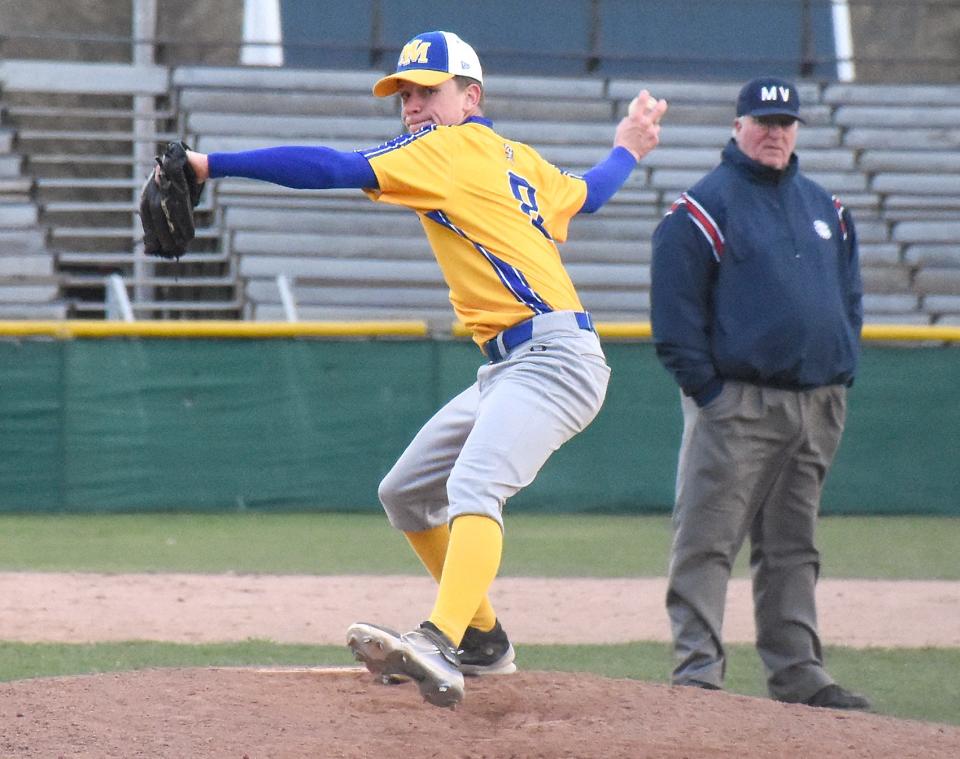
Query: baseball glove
point(166, 204)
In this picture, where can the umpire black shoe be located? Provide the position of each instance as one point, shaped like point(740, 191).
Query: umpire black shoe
point(486, 653)
point(834, 697)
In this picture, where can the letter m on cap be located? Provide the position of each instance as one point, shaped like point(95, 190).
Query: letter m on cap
point(414, 52)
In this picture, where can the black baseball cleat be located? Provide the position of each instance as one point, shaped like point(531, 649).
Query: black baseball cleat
point(486, 653)
point(424, 655)
point(834, 697)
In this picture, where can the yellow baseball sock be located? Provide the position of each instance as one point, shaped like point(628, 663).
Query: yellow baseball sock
point(471, 565)
point(431, 547)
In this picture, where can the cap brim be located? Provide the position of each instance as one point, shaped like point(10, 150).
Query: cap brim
point(424, 77)
point(775, 112)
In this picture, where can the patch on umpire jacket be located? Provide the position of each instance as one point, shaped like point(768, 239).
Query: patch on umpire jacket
point(822, 229)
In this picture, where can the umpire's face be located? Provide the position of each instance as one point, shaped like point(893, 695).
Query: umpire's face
point(769, 140)
point(445, 104)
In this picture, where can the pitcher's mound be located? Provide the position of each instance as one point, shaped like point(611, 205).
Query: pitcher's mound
point(340, 713)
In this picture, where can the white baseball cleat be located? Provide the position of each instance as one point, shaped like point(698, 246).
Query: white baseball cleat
point(378, 648)
point(425, 655)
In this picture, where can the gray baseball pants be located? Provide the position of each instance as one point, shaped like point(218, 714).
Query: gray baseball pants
point(490, 441)
point(752, 461)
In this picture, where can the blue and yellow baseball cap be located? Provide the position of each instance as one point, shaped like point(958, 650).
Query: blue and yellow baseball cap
point(430, 59)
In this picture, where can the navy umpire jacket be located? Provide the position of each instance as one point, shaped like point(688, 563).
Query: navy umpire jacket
point(756, 277)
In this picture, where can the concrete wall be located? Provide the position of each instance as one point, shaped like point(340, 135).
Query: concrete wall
point(906, 42)
point(897, 41)
point(192, 31)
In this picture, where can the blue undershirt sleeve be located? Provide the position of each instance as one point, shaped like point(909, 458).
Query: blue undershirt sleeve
point(300, 167)
point(608, 176)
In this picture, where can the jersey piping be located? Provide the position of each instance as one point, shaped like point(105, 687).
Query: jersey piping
point(397, 142)
point(704, 222)
point(511, 277)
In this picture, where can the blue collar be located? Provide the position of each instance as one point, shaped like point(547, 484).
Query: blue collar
point(478, 120)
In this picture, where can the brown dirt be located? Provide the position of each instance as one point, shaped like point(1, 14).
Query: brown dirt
point(338, 713)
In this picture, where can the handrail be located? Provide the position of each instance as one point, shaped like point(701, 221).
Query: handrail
point(226, 328)
point(910, 333)
point(211, 328)
point(870, 332)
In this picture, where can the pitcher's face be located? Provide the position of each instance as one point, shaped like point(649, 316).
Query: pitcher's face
point(445, 104)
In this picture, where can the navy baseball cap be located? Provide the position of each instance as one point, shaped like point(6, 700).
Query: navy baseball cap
point(769, 96)
point(430, 59)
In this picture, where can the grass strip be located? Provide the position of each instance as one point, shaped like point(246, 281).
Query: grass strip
point(535, 545)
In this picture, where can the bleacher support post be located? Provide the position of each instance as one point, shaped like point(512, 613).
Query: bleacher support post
point(117, 304)
point(144, 53)
point(286, 298)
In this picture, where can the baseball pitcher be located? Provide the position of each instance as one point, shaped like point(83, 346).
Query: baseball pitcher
point(494, 213)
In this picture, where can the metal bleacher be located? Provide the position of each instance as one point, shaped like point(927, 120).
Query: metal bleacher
point(28, 285)
point(87, 134)
point(890, 153)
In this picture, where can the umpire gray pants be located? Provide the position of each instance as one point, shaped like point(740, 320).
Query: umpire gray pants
point(753, 460)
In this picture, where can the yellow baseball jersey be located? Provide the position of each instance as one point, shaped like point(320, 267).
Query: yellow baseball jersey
point(493, 211)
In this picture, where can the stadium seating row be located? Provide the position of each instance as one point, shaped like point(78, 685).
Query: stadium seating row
point(73, 149)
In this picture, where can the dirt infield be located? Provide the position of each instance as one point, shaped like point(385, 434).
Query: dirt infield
point(80, 607)
point(315, 714)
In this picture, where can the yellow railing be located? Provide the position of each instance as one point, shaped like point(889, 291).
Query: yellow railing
point(878, 332)
point(74, 328)
point(67, 329)
point(910, 333)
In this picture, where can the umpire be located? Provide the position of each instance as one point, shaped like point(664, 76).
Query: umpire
point(756, 311)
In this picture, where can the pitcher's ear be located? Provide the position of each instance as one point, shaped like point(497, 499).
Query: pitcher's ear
point(475, 93)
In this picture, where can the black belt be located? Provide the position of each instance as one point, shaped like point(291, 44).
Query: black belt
point(520, 333)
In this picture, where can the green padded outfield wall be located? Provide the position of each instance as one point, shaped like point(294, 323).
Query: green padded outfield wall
point(302, 424)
